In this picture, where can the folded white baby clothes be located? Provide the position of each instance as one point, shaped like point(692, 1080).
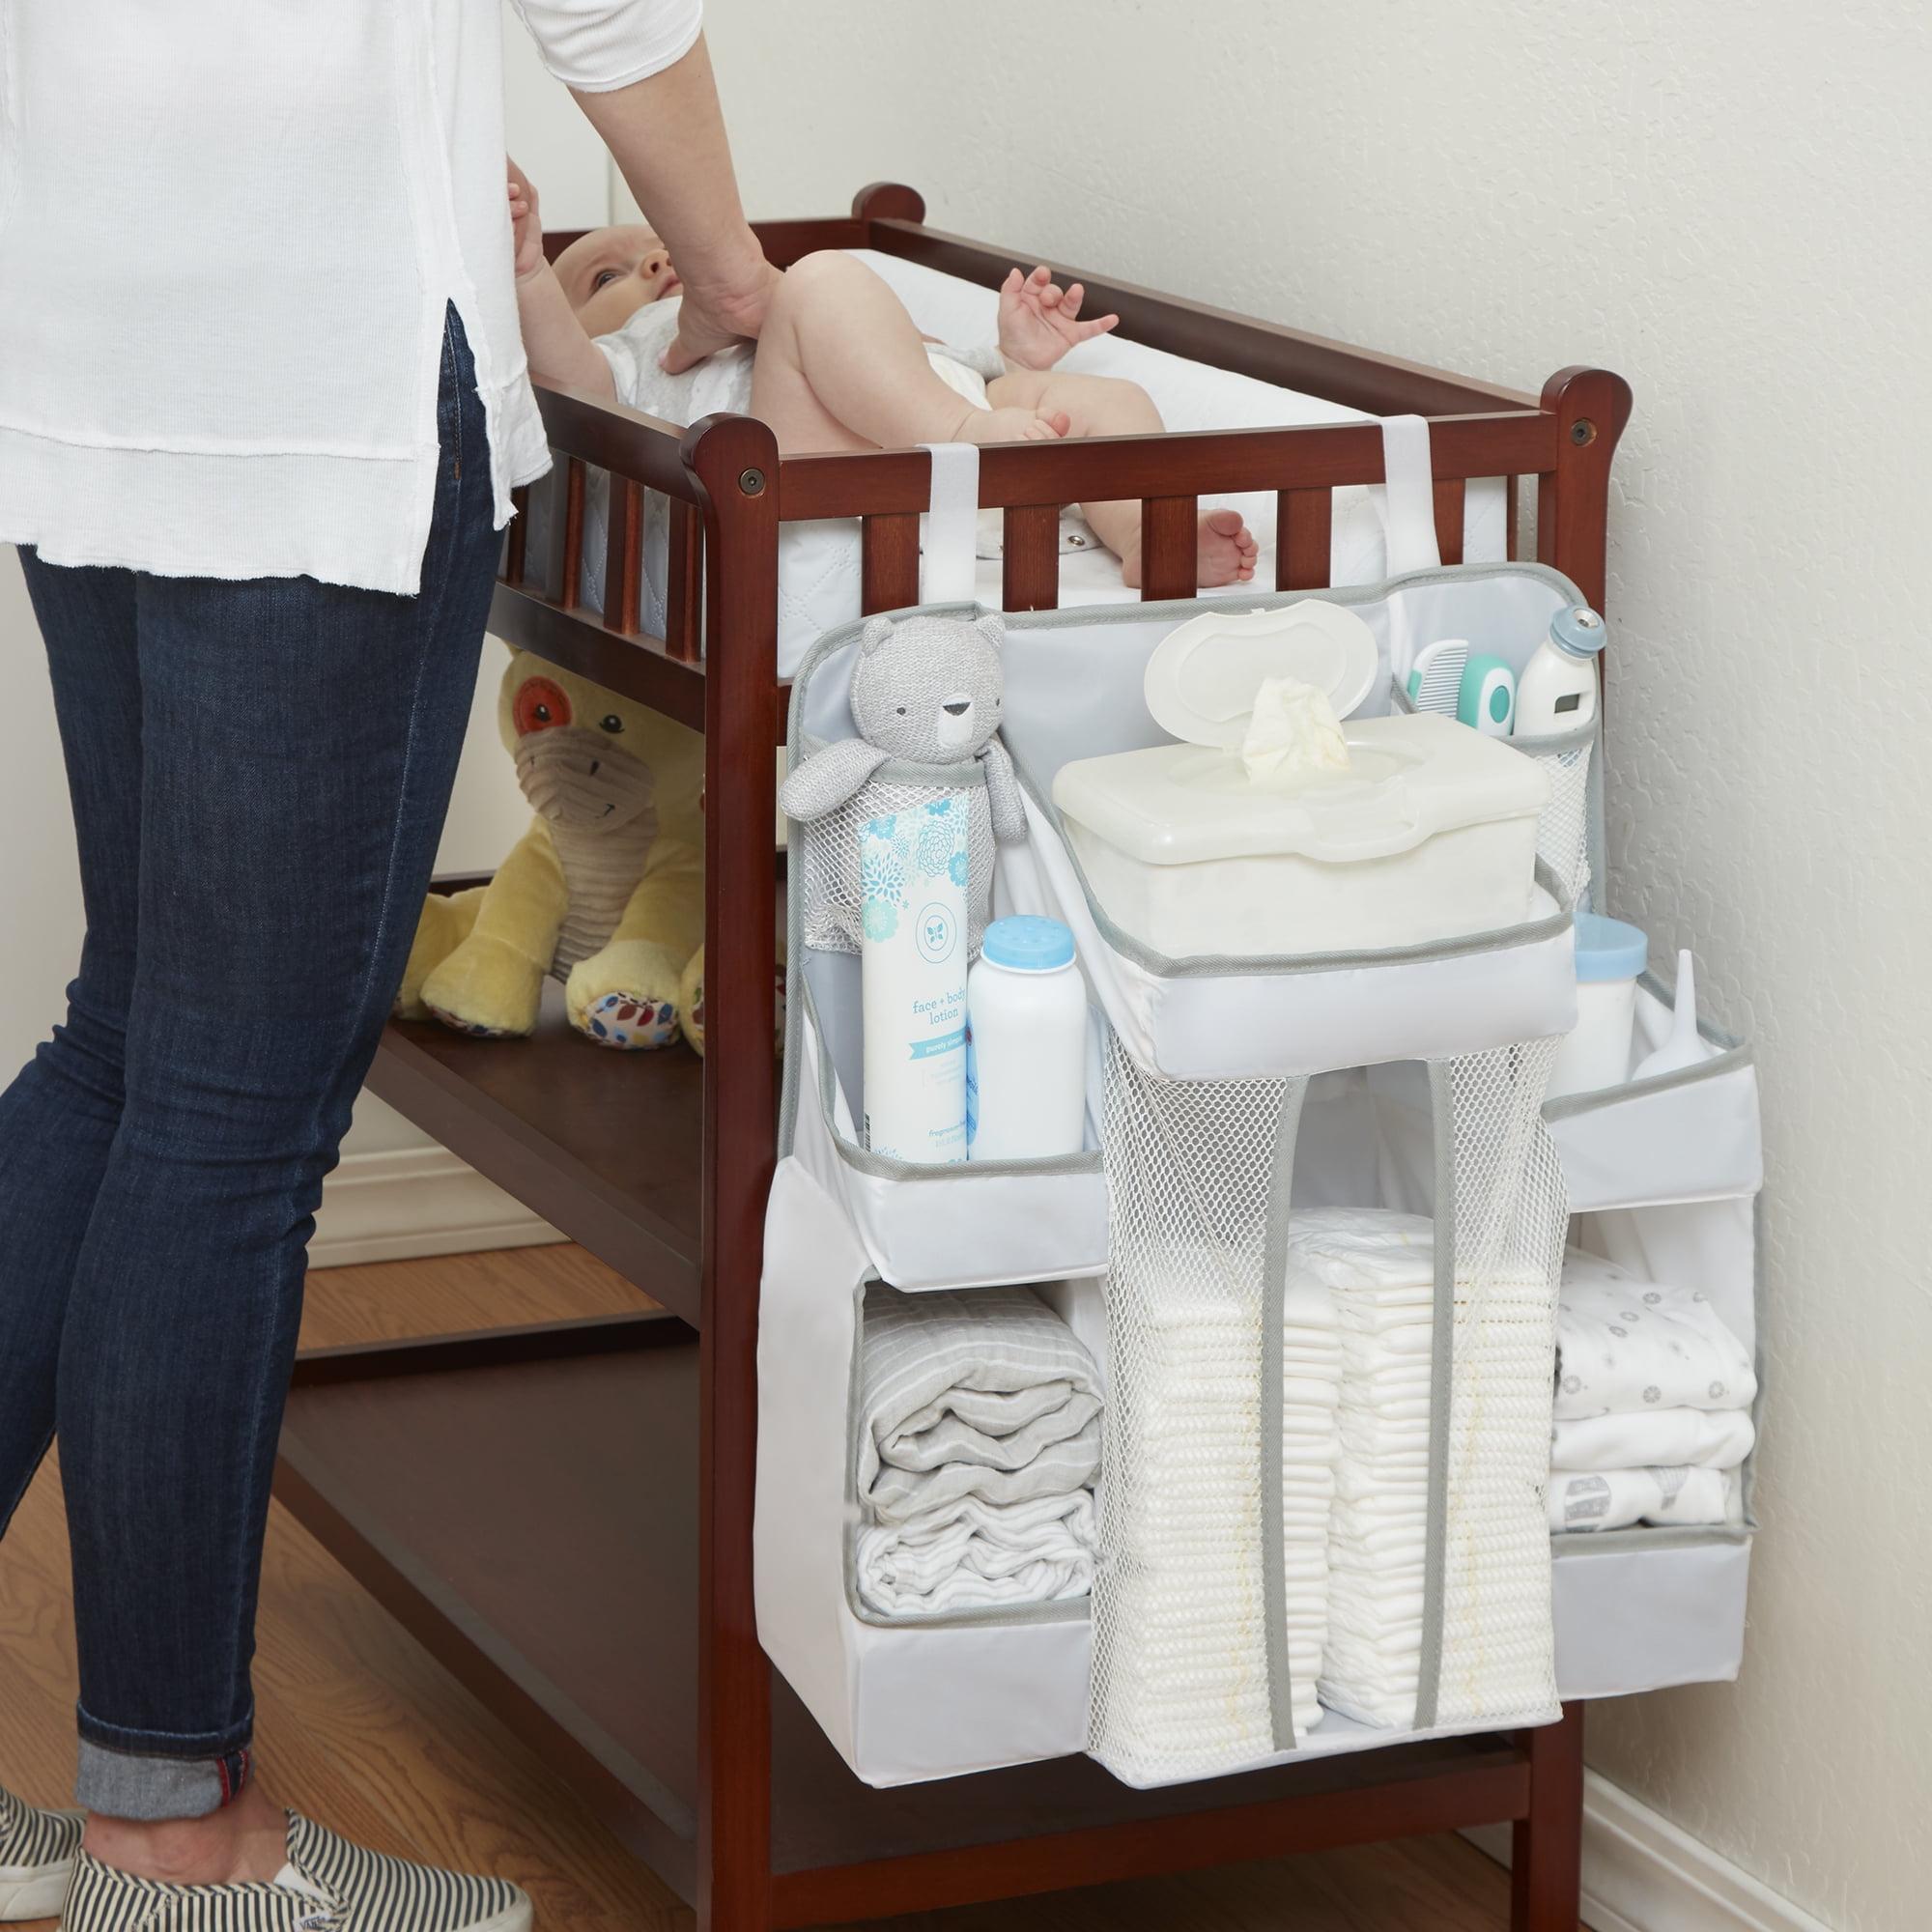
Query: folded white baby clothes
point(1615, 1499)
point(1705, 1438)
point(979, 1444)
point(1625, 1344)
point(1182, 1679)
point(1497, 1648)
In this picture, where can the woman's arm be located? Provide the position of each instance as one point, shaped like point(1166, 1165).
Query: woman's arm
point(667, 134)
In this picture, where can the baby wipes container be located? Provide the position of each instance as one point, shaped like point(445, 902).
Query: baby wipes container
point(1428, 835)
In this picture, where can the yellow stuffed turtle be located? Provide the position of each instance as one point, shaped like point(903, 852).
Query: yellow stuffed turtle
point(604, 891)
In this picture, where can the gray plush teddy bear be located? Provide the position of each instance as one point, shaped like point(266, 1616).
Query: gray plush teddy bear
point(926, 693)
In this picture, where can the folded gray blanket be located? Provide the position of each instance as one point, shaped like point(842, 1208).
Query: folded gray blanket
point(984, 1393)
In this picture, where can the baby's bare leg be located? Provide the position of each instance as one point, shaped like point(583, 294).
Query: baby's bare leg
point(1106, 406)
point(841, 366)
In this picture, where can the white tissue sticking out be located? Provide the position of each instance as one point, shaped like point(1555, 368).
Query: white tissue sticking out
point(1294, 735)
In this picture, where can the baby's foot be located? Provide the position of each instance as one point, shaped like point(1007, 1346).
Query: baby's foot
point(1225, 552)
point(985, 426)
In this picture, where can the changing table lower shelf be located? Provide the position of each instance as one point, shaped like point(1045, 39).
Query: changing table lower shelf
point(527, 1506)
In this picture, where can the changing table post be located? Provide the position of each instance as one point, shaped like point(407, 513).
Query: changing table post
point(1546, 1847)
point(734, 461)
point(1572, 501)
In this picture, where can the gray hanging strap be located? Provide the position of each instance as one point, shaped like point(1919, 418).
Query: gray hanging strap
point(1442, 1392)
point(1274, 1298)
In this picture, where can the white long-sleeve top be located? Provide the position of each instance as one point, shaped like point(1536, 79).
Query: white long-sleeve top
point(229, 230)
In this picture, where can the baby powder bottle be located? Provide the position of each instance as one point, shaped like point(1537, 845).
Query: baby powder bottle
point(1610, 955)
point(1026, 1064)
point(1557, 690)
point(913, 872)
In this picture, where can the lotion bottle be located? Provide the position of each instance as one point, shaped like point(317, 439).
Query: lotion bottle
point(912, 874)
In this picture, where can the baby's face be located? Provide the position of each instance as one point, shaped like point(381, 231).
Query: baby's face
point(612, 273)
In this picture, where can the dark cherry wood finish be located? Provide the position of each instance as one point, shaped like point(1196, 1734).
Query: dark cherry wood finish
point(564, 1514)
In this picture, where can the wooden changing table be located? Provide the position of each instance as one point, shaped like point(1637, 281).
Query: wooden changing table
point(562, 1514)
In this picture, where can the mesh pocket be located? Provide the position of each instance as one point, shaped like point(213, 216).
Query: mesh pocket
point(1407, 1572)
point(830, 862)
point(1563, 832)
point(1181, 1665)
point(1510, 1214)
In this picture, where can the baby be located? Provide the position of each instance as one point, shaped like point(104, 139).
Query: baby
point(841, 366)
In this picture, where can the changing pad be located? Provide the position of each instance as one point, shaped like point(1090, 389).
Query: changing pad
point(820, 562)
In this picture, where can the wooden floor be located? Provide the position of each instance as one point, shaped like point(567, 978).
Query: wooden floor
point(361, 1729)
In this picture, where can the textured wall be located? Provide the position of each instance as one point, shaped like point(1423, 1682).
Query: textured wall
point(1728, 203)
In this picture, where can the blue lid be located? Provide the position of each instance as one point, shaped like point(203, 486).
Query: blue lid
point(1028, 945)
point(1579, 631)
point(1608, 949)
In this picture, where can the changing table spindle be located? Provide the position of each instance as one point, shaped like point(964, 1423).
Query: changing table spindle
point(889, 567)
point(1029, 572)
point(1169, 546)
point(1304, 520)
point(624, 558)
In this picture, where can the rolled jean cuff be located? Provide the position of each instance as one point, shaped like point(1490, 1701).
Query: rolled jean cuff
point(131, 1784)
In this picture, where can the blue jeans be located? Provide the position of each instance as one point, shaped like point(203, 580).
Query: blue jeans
point(258, 773)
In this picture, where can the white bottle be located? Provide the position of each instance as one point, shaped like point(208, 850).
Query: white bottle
point(1026, 1067)
point(1557, 690)
point(913, 871)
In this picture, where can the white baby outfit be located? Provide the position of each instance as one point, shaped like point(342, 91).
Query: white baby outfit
point(1653, 1402)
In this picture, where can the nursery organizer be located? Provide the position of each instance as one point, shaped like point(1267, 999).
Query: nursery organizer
point(639, 1540)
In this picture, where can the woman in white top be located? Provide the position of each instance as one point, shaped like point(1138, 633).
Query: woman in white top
point(263, 401)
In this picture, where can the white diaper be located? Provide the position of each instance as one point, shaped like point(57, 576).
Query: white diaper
point(956, 376)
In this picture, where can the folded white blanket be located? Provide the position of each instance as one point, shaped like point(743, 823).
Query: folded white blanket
point(1615, 1499)
point(985, 1393)
point(1625, 1344)
point(969, 1553)
point(1707, 1439)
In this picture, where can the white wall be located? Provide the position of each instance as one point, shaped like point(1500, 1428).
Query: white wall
point(1728, 204)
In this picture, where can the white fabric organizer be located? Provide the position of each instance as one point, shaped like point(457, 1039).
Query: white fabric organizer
point(1322, 1500)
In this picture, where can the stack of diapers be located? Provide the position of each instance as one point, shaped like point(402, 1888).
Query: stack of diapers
point(1653, 1403)
point(978, 1445)
point(1182, 1684)
point(1497, 1649)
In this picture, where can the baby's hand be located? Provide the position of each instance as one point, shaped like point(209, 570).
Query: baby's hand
point(1039, 320)
point(525, 224)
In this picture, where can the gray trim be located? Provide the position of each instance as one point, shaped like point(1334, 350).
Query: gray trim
point(1652, 1536)
point(1442, 1392)
point(1274, 1296)
point(1732, 1054)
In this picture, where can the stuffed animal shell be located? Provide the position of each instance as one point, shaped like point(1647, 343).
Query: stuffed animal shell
point(606, 889)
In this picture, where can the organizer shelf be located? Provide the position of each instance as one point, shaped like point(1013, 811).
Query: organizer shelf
point(564, 1514)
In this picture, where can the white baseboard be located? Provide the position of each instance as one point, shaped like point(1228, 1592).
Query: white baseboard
point(413, 1202)
point(1641, 1873)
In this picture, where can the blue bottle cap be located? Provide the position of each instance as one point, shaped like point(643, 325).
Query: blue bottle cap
point(1579, 631)
point(1028, 945)
point(1608, 949)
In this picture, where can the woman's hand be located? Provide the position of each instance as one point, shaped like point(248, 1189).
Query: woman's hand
point(713, 319)
point(525, 224)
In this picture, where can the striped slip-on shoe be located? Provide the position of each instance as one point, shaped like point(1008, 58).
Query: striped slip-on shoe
point(37, 1854)
point(328, 1885)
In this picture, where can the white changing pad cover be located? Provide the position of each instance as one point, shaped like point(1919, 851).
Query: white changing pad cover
point(820, 562)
